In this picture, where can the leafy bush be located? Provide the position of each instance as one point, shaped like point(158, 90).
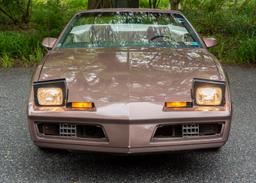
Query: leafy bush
point(233, 23)
point(21, 46)
point(51, 16)
point(246, 53)
point(15, 11)
point(6, 61)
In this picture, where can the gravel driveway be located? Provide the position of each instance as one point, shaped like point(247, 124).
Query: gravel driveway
point(21, 161)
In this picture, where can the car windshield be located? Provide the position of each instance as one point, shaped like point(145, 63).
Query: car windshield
point(106, 30)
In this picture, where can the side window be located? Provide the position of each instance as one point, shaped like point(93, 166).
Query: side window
point(190, 38)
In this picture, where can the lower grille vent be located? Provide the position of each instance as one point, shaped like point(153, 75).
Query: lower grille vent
point(188, 130)
point(71, 130)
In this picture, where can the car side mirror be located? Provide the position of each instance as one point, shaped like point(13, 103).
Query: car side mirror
point(49, 42)
point(210, 42)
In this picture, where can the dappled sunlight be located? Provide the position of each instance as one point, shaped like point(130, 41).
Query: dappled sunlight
point(114, 75)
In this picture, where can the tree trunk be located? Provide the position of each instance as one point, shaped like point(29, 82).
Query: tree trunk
point(26, 14)
point(150, 3)
point(92, 4)
point(133, 3)
point(126, 3)
point(153, 3)
point(175, 4)
point(96, 4)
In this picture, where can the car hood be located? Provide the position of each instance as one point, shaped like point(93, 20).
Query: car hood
point(119, 76)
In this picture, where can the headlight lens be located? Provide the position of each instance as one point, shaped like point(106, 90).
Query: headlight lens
point(50, 96)
point(209, 95)
point(50, 93)
point(209, 92)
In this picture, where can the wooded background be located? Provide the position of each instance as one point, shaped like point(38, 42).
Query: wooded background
point(23, 24)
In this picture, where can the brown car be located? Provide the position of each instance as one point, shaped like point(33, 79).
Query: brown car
point(129, 81)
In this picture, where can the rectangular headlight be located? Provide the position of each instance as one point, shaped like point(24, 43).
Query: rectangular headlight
point(50, 96)
point(50, 93)
point(208, 92)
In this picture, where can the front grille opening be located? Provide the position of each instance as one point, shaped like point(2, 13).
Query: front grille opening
point(188, 130)
point(210, 129)
point(71, 130)
point(168, 131)
point(49, 129)
point(90, 131)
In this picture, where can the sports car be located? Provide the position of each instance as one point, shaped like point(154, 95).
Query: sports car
point(129, 81)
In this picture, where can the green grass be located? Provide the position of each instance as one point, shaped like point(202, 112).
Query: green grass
point(246, 53)
point(6, 61)
point(234, 28)
point(24, 48)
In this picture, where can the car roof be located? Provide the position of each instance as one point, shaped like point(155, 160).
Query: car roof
point(146, 10)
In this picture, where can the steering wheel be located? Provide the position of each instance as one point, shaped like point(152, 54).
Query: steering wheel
point(159, 36)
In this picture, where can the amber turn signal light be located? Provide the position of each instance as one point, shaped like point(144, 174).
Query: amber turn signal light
point(177, 104)
point(81, 106)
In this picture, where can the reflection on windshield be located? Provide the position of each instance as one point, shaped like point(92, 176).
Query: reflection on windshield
point(129, 30)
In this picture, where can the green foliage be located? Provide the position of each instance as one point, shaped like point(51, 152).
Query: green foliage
point(162, 4)
point(21, 46)
point(15, 11)
point(246, 53)
point(51, 16)
point(232, 22)
point(6, 61)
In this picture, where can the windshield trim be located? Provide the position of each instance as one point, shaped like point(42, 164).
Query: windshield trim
point(171, 13)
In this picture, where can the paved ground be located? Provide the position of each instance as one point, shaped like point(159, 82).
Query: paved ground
point(21, 161)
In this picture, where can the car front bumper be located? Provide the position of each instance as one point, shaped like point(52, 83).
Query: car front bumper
point(130, 136)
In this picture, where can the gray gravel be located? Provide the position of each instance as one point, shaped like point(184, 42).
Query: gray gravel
point(21, 161)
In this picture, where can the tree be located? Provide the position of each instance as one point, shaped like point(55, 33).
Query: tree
point(17, 11)
point(246, 2)
point(96, 4)
point(154, 3)
point(175, 4)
